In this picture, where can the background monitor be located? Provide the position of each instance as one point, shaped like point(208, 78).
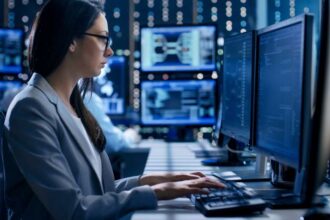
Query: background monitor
point(11, 51)
point(8, 89)
point(111, 85)
point(237, 87)
point(178, 48)
point(283, 90)
point(185, 102)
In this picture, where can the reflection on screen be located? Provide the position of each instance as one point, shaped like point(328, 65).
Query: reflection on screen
point(237, 87)
point(178, 102)
point(11, 51)
point(178, 48)
point(110, 85)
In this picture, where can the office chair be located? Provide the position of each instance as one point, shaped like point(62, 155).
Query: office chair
point(3, 210)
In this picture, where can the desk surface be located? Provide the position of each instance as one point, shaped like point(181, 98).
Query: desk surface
point(180, 157)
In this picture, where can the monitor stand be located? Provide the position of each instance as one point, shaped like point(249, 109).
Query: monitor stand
point(179, 134)
point(291, 201)
point(288, 188)
point(317, 213)
point(231, 159)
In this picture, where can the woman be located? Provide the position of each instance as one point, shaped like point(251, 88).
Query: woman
point(55, 164)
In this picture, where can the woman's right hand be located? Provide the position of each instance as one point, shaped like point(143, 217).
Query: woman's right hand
point(172, 190)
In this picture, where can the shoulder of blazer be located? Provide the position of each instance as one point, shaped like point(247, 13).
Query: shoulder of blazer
point(40, 83)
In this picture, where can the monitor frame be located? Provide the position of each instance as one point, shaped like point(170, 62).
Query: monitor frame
point(182, 124)
point(226, 131)
point(306, 99)
point(318, 153)
point(174, 71)
point(5, 75)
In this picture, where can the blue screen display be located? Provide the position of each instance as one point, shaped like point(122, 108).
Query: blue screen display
point(11, 50)
point(280, 92)
point(237, 87)
point(186, 102)
point(111, 85)
point(8, 90)
point(179, 48)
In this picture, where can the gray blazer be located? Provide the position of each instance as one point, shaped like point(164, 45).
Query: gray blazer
point(47, 170)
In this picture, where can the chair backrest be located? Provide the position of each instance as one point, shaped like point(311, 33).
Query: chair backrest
point(3, 210)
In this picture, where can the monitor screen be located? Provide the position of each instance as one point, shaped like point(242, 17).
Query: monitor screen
point(237, 87)
point(111, 85)
point(11, 50)
point(8, 89)
point(178, 48)
point(185, 102)
point(283, 88)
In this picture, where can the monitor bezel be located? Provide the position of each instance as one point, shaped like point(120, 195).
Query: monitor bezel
point(306, 99)
point(225, 131)
point(214, 25)
point(182, 124)
point(317, 155)
point(14, 76)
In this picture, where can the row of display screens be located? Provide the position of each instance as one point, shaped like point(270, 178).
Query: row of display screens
point(265, 91)
point(262, 95)
point(172, 49)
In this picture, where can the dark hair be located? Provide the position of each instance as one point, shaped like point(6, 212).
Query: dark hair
point(57, 24)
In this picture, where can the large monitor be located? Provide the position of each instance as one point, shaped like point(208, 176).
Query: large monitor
point(11, 51)
point(283, 90)
point(111, 85)
point(178, 103)
point(238, 87)
point(318, 154)
point(178, 48)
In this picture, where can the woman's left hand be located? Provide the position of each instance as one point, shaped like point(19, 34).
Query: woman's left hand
point(153, 179)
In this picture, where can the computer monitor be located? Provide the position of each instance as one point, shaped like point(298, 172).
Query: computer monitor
point(178, 48)
point(8, 89)
point(178, 102)
point(11, 51)
point(111, 85)
point(283, 112)
point(283, 90)
point(238, 87)
point(318, 152)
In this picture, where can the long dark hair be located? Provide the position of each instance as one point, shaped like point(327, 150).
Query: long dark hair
point(57, 24)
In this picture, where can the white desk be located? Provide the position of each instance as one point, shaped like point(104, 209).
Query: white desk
point(167, 157)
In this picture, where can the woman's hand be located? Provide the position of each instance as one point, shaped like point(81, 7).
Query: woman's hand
point(172, 190)
point(153, 179)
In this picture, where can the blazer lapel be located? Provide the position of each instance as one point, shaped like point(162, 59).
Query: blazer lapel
point(107, 173)
point(74, 130)
point(39, 82)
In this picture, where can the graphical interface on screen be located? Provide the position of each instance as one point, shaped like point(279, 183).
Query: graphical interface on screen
point(179, 48)
point(11, 50)
point(280, 91)
point(9, 86)
point(185, 102)
point(110, 85)
point(237, 87)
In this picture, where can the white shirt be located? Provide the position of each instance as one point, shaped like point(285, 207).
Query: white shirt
point(94, 155)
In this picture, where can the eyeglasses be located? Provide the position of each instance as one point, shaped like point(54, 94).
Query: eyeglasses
point(107, 40)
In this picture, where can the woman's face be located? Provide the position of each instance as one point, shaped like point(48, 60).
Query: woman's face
point(92, 50)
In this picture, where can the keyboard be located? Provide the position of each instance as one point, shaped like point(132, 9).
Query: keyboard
point(235, 199)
